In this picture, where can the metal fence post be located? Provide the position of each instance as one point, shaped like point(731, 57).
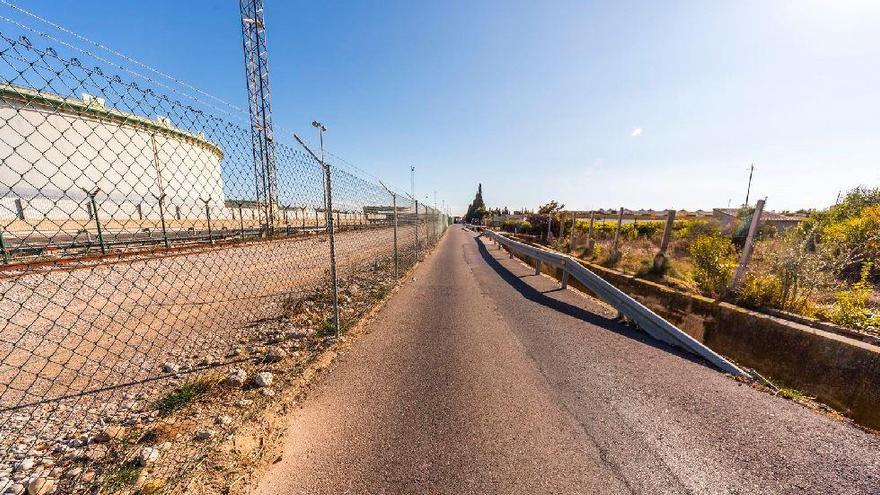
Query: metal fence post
point(396, 256)
point(331, 231)
point(3, 247)
point(94, 203)
point(208, 215)
point(240, 222)
point(161, 200)
point(328, 204)
point(418, 246)
point(661, 258)
point(740, 272)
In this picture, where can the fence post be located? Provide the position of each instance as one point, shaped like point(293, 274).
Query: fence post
point(615, 252)
point(396, 256)
point(94, 203)
point(3, 247)
point(661, 258)
point(208, 215)
point(418, 246)
point(571, 234)
point(740, 272)
point(591, 243)
point(561, 228)
point(161, 200)
point(328, 204)
point(331, 232)
point(240, 223)
point(549, 225)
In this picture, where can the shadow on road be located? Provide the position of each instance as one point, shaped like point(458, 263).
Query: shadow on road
point(535, 295)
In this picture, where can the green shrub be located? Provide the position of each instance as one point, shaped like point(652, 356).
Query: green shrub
point(760, 291)
point(850, 308)
point(689, 230)
point(714, 262)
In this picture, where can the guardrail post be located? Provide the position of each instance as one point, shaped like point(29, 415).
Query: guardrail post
point(661, 258)
point(615, 251)
point(537, 266)
point(4, 247)
point(740, 272)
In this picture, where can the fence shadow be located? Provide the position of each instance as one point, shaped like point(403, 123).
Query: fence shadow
point(519, 283)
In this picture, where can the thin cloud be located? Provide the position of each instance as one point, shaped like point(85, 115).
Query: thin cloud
point(636, 132)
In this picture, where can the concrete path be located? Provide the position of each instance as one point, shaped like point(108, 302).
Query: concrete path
point(479, 377)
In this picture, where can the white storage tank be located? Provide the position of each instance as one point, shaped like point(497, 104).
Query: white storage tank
point(53, 149)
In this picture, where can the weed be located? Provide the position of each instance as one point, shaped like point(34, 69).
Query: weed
point(328, 329)
point(790, 393)
point(121, 476)
point(183, 395)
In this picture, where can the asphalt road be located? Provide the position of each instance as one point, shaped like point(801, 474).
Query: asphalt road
point(480, 377)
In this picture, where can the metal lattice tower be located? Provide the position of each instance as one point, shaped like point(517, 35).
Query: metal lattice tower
point(253, 32)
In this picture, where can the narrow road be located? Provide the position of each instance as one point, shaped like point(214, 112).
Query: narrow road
point(480, 377)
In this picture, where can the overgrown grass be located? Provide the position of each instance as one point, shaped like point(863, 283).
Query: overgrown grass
point(790, 393)
point(183, 395)
point(328, 329)
point(120, 477)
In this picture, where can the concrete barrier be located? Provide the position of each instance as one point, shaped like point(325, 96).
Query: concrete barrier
point(839, 371)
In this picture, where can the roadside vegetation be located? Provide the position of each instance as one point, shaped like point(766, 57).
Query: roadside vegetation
point(827, 267)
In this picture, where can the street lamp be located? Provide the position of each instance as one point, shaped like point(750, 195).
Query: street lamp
point(321, 130)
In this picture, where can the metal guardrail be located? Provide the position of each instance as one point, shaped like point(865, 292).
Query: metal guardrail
point(647, 320)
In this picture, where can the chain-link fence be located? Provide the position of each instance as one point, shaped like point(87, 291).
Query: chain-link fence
point(141, 262)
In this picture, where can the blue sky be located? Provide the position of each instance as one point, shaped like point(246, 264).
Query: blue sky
point(596, 104)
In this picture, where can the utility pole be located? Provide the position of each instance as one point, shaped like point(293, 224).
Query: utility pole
point(749, 188)
point(253, 33)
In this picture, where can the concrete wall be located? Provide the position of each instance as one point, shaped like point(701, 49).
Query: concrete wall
point(841, 372)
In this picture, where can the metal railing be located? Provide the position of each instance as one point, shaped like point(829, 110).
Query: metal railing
point(647, 320)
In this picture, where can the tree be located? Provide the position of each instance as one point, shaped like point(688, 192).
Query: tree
point(477, 209)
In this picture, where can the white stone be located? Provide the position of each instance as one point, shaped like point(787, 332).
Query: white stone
point(275, 354)
point(148, 456)
point(223, 420)
point(237, 377)
point(170, 367)
point(263, 379)
point(25, 465)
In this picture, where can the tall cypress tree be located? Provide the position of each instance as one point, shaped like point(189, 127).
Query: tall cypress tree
point(477, 208)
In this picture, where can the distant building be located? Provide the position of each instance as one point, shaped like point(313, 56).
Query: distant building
point(728, 218)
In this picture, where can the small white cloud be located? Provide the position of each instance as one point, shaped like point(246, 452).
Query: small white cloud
point(636, 132)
